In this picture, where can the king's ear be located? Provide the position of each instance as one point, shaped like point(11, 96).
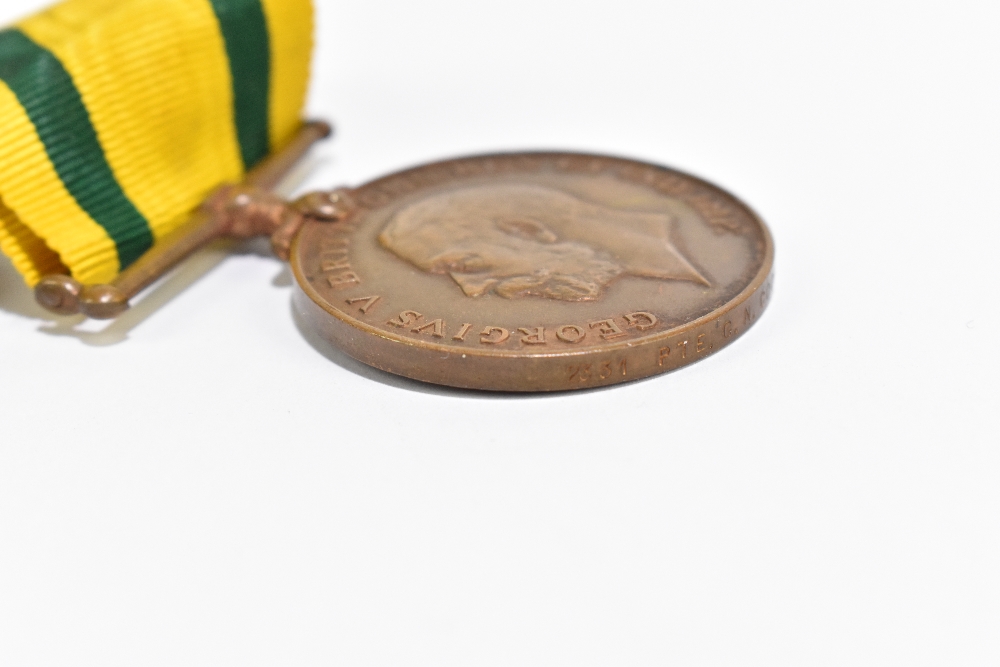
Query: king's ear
point(527, 228)
point(474, 284)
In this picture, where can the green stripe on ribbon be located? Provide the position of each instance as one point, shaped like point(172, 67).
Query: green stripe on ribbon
point(53, 104)
point(244, 30)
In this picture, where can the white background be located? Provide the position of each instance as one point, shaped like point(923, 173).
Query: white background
point(198, 484)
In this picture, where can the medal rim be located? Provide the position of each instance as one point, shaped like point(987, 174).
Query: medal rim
point(763, 275)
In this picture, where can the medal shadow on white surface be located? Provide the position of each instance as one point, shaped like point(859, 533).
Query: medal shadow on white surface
point(349, 363)
point(17, 298)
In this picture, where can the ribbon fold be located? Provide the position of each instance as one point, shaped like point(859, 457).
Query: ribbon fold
point(118, 117)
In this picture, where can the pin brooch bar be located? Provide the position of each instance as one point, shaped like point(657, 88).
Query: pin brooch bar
point(231, 211)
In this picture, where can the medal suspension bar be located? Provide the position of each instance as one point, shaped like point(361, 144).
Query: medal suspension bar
point(232, 211)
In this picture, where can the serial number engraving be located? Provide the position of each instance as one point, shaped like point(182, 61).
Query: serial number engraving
point(604, 370)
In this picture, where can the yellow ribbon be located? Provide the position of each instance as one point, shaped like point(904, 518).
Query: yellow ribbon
point(119, 116)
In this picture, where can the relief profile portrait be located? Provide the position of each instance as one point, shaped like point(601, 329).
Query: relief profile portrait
point(524, 240)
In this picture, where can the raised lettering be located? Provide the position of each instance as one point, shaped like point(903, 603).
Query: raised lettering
point(642, 320)
point(486, 337)
point(335, 264)
point(570, 333)
point(607, 329)
point(406, 319)
point(434, 328)
point(462, 332)
point(369, 302)
point(343, 279)
point(534, 336)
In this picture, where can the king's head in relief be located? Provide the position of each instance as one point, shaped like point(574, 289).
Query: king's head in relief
point(534, 271)
point(525, 240)
point(513, 272)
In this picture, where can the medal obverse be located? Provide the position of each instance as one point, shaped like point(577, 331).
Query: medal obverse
point(533, 271)
point(518, 272)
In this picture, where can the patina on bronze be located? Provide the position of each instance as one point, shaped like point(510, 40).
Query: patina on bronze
point(533, 272)
point(516, 272)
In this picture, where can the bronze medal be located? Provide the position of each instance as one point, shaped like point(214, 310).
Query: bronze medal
point(533, 272)
point(513, 272)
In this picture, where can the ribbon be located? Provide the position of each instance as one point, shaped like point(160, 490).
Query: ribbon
point(118, 117)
